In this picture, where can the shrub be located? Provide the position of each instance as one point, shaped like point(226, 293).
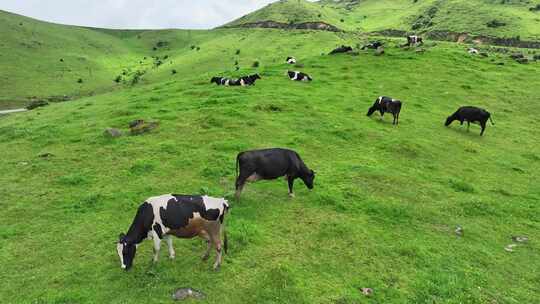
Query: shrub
point(118, 79)
point(256, 64)
point(80, 80)
point(238, 52)
point(174, 72)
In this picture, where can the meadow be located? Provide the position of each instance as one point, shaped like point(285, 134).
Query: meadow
point(386, 202)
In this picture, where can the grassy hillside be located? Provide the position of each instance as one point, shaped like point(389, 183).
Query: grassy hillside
point(386, 199)
point(420, 16)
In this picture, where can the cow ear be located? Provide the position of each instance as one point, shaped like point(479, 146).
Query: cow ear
point(121, 236)
point(312, 173)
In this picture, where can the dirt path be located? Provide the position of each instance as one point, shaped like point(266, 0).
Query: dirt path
point(12, 111)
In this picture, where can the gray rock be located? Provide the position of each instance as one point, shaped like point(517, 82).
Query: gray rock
point(112, 133)
point(186, 293)
point(379, 51)
point(520, 238)
point(459, 230)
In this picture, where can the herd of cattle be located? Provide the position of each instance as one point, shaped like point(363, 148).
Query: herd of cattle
point(188, 216)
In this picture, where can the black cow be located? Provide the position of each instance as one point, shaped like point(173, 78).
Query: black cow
point(271, 164)
point(385, 104)
point(299, 76)
point(414, 40)
point(372, 45)
point(341, 49)
point(470, 114)
point(184, 216)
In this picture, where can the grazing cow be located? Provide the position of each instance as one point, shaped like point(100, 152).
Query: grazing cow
point(291, 60)
point(299, 76)
point(470, 114)
point(414, 40)
point(385, 104)
point(271, 164)
point(249, 80)
point(372, 45)
point(183, 216)
point(341, 49)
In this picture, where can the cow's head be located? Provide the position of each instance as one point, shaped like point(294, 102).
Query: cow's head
point(256, 76)
point(126, 251)
point(215, 79)
point(308, 179)
point(449, 120)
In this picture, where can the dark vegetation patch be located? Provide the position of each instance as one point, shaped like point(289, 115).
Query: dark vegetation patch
point(474, 208)
point(74, 179)
point(495, 23)
point(142, 167)
point(425, 20)
point(461, 186)
point(268, 108)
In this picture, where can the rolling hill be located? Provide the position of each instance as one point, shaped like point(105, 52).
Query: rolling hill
point(387, 199)
point(513, 18)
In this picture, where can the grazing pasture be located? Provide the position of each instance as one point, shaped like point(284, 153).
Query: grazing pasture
point(383, 212)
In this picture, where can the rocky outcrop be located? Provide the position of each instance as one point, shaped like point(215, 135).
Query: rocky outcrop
point(319, 26)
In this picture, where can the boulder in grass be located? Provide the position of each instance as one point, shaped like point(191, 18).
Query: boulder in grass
point(187, 293)
point(379, 51)
point(112, 133)
point(144, 127)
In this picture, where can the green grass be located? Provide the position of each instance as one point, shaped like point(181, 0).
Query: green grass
point(386, 199)
point(377, 15)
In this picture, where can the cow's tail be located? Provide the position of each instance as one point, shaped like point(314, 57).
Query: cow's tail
point(491, 120)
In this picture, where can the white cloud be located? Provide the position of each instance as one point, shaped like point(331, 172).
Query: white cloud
point(136, 14)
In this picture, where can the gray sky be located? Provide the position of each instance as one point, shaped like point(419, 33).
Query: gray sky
point(136, 14)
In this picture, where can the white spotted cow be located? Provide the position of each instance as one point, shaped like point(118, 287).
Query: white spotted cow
point(298, 76)
point(291, 60)
point(183, 216)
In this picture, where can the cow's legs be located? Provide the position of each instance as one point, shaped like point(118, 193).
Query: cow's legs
point(240, 182)
point(216, 240)
point(483, 125)
point(397, 119)
point(169, 240)
point(290, 181)
point(468, 125)
point(206, 254)
point(157, 245)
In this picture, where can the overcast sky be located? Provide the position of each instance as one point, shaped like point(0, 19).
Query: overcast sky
point(136, 14)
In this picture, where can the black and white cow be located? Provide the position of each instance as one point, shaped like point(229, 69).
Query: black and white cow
point(183, 216)
point(242, 81)
point(298, 76)
point(372, 45)
point(473, 51)
point(224, 81)
point(249, 80)
point(470, 114)
point(385, 104)
point(414, 40)
point(271, 164)
point(291, 60)
point(341, 49)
